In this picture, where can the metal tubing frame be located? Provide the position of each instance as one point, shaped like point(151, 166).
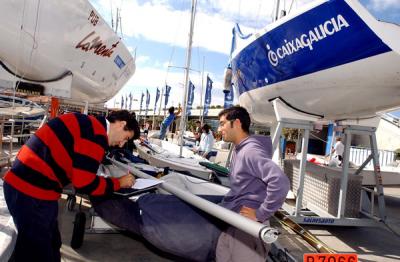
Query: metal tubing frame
point(378, 177)
point(345, 175)
point(303, 163)
point(253, 228)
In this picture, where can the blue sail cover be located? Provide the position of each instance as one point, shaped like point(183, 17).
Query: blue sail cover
point(167, 222)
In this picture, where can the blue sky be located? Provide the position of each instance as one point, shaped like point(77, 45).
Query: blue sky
point(158, 31)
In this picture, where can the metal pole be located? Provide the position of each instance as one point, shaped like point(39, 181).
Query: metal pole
point(201, 94)
point(188, 58)
point(303, 164)
point(258, 230)
point(159, 109)
point(277, 10)
point(345, 175)
point(378, 177)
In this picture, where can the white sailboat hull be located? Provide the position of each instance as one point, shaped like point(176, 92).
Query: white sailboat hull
point(349, 67)
point(64, 46)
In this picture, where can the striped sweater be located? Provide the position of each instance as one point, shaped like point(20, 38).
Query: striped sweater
point(67, 149)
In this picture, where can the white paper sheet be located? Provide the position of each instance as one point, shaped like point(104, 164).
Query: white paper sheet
point(142, 183)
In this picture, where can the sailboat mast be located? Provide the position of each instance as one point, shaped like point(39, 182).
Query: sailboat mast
point(201, 94)
point(277, 3)
point(182, 126)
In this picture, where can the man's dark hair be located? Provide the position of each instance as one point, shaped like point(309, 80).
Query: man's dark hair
point(131, 123)
point(206, 128)
point(237, 112)
point(198, 122)
point(171, 110)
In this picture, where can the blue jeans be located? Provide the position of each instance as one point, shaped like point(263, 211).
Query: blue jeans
point(163, 131)
point(38, 236)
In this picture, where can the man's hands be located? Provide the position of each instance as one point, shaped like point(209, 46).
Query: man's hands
point(126, 181)
point(248, 212)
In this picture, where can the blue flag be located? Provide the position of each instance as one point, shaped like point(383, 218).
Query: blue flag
point(141, 101)
point(207, 98)
point(157, 97)
point(228, 100)
point(130, 101)
point(122, 102)
point(167, 90)
point(147, 100)
point(190, 98)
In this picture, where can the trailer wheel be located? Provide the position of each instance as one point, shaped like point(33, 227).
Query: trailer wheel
point(79, 230)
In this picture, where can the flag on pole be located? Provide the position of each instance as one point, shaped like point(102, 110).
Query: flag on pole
point(207, 98)
point(157, 97)
point(122, 102)
point(147, 100)
point(228, 99)
point(141, 101)
point(130, 101)
point(167, 90)
point(190, 98)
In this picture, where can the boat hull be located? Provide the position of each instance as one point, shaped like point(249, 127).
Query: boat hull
point(45, 42)
point(332, 60)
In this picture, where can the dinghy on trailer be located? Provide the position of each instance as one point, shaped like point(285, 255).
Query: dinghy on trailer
point(160, 157)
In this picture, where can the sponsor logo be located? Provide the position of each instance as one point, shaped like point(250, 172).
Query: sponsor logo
point(119, 62)
point(93, 42)
point(330, 258)
point(93, 18)
point(318, 220)
point(307, 40)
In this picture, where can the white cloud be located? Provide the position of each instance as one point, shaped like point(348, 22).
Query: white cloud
point(151, 77)
point(380, 5)
point(158, 22)
point(142, 59)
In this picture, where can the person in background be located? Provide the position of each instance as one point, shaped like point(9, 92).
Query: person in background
point(146, 128)
point(206, 142)
point(338, 149)
point(258, 186)
point(197, 132)
point(337, 152)
point(168, 121)
point(219, 142)
point(68, 149)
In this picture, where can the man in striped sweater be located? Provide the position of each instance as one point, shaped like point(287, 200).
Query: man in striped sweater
point(68, 149)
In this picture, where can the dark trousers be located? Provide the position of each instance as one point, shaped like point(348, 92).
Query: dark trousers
point(38, 236)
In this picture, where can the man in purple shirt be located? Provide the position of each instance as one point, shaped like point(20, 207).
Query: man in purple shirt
point(258, 186)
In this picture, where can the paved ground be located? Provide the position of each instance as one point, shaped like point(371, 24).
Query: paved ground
point(370, 243)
